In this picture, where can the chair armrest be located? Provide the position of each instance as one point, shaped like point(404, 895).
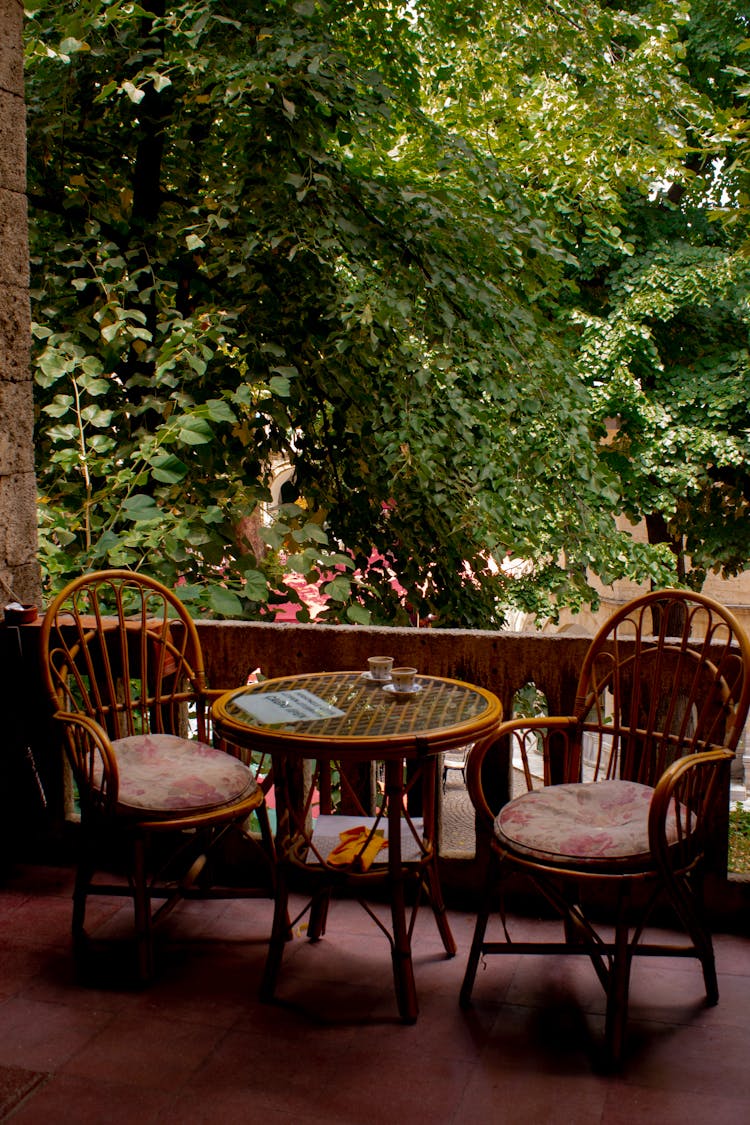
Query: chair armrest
point(683, 805)
point(212, 694)
point(547, 727)
point(91, 758)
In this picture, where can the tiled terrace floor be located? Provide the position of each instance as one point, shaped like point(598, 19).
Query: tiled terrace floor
point(198, 1047)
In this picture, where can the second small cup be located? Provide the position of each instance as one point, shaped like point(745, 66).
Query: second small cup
point(404, 679)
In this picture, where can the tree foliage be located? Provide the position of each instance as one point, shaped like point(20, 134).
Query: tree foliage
point(654, 210)
point(365, 240)
point(667, 350)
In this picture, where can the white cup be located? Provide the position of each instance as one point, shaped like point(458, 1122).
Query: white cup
point(404, 679)
point(380, 667)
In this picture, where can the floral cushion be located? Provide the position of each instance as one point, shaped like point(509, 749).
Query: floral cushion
point(162, 773)
point(584, 824)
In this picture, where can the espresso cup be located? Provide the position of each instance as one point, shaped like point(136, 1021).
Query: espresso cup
point(404, 679)
point(380, 667)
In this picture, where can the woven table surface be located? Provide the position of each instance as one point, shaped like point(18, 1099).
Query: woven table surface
point(362, 710)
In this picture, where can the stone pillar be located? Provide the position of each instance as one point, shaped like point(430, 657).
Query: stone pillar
point(19, 568)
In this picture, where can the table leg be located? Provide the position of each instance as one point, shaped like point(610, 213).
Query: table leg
point(319, 914)
point(435, 892)
point(431, 874)
point(403, 969)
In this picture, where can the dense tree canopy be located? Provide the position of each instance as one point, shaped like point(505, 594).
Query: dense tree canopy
point(413, 251)
point(667, 350)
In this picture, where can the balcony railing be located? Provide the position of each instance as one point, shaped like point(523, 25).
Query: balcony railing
point(501, 662)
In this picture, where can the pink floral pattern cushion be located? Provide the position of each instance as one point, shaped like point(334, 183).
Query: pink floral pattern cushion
point(586, 824)
point(162, 773)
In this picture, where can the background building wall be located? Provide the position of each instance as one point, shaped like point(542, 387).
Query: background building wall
point(19, 569)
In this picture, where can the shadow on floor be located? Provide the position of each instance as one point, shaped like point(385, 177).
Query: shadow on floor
point(198, 1046)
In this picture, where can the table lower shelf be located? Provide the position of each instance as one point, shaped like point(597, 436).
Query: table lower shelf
point(327, 829)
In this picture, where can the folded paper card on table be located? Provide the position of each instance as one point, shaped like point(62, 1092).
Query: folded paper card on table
point(295, 706)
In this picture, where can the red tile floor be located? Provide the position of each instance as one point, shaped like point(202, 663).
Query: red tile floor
point(197, 1046)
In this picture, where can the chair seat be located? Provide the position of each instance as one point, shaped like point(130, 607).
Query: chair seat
point(582, 825)
point(165, 775)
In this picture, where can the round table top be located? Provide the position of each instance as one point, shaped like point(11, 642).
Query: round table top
point(356, 714)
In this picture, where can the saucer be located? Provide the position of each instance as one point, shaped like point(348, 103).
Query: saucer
point(383, 680)
point(18, 614)
point(402, 690)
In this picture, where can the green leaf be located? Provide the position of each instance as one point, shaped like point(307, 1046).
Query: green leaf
point(94, 386)
point(224, 602)
point(168, 469)
point(59, 407)
point(70, 46)
point(279, 386)
point(256, 586)
point(358, 615)
point(107, 542)
point(194, 431)
point(95, 416)
point(220, 411)
point(314, 531)
point(133, 92)
point(141, 508)
point(340, 589)
point(189, 592)
point(160, 81)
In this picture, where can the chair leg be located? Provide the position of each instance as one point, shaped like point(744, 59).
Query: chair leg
point(279, 937)
point(710, 979)
point(617, 991)
point(708, 964)
point(480, 929)
point(84, 875)
point(142, 910)
point(687, 901)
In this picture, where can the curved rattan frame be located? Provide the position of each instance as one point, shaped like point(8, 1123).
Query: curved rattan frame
point(679, 741)
point(121, 655)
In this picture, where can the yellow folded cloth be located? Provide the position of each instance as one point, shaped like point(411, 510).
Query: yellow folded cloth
point(354, 851)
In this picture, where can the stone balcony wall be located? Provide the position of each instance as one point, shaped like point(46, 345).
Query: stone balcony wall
point(502, 662)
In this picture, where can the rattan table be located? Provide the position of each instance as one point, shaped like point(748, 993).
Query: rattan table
point(360, 756)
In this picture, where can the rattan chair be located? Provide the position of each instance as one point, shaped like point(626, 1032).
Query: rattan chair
point(122, 664)
point(635, 781)
point(455, 760)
